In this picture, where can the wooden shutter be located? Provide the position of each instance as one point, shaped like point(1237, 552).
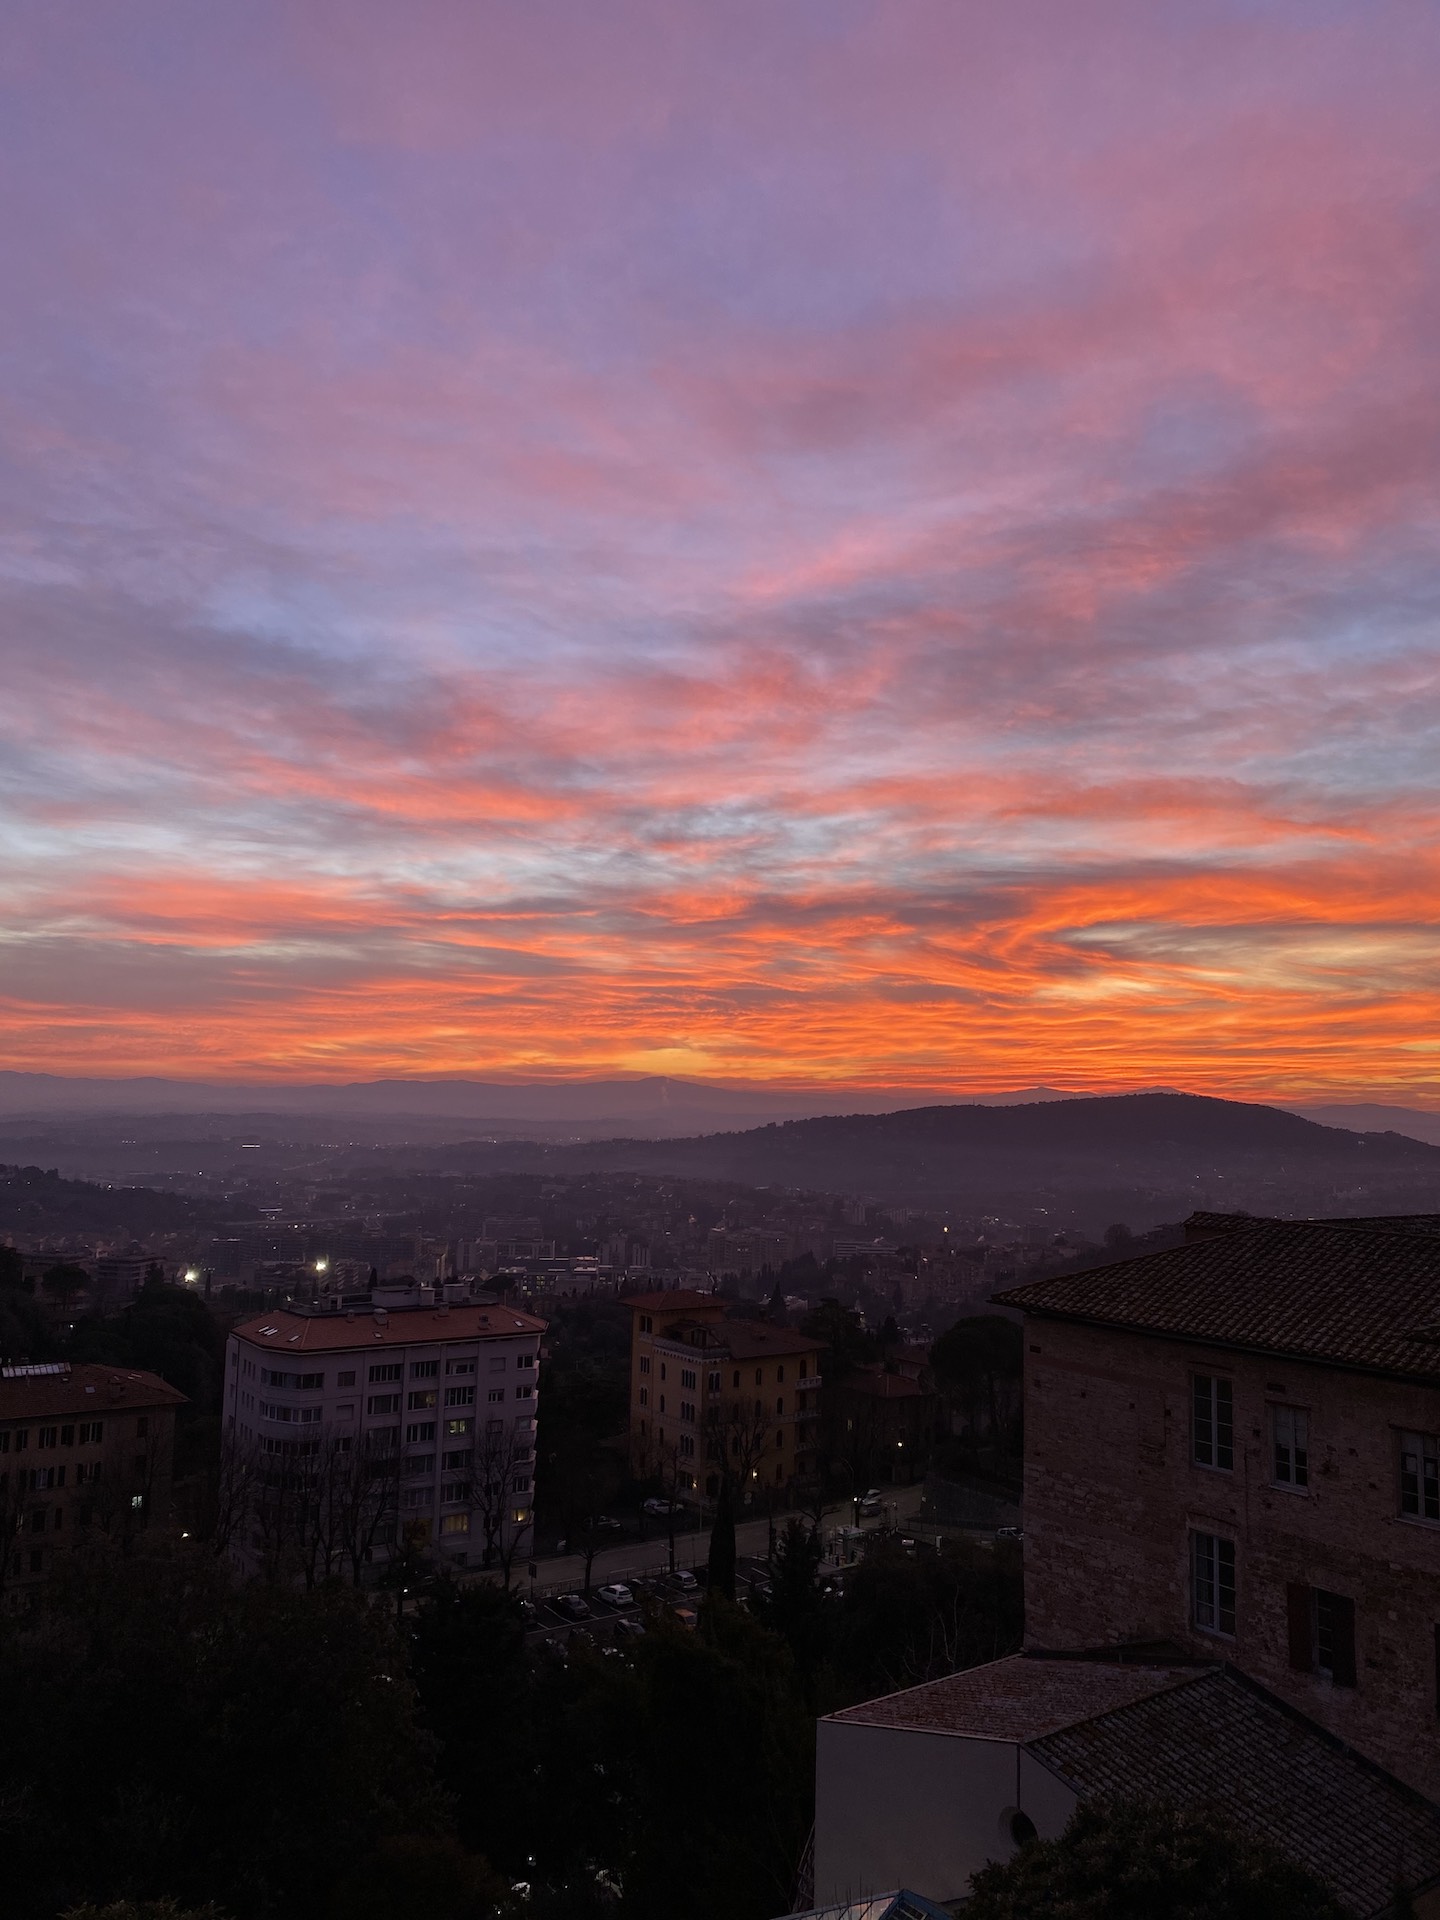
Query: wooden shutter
point(1343, 1614)
point(1297, 1611)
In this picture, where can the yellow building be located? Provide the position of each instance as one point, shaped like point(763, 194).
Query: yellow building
point(712, 1397)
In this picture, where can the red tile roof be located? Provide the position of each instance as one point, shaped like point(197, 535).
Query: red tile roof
point(83, 1389)
point(1343, 1293)
point(396, 1326)
point(1018, 1698)
point(678, 1300)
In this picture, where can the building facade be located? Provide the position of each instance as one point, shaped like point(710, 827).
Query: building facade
point(80, 1447)
point(1231, 1449)
point(713, 1398)
point(355, 1436)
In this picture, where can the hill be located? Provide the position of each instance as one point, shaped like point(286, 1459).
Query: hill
point(1135, 1156)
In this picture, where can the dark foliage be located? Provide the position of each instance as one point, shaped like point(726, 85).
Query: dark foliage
point(1150, 1861)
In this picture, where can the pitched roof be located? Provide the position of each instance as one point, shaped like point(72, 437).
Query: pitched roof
point(757, 1340)
point(1354, 1294)
point(1223, 1740)
point(1019, 1698)
point(82, 1389)
point(676, 1300)
point(394, 1326)
point(900, 1905)
point(1196, 1734)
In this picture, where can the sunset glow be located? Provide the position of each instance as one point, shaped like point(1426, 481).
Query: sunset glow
point(890, 545)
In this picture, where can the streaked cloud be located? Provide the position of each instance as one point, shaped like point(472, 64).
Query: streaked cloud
point(834, 542)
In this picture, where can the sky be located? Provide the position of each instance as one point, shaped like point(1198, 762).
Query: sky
point(876, 544)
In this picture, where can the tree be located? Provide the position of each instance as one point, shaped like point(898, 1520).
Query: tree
point(907, 1620)
point(143, 1910)
point(1150, 1860)
point(409, 1874)
point(796, 1608)
point(846, 1342)
point(722, 1544)
point(499, 1451)
point(63, 1282)
point(978, 1365)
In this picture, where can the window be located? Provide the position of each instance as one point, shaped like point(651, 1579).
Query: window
point(736, 1381)
point(1420, 1476)
point(270, 1378)
point(524, 1359)
point(644, 1396)
point(713, 1382)
point(1212, 1583)
point(424, 1369)
point(346, 1411)
point(304, 1416)
point(1290, 1450)
point(497, 1363)
point(426, 1397)
point(525, 1393)
point(458, 1461)
point(644, 1363)
point(48, 1437)
point(759, 1376)
point(91, 1432)
point(495, 1395)
point(1322, 1633)
point(521, 1483)
point(687, 1378)
point(415, 1496)
point(780, 1404)
point(687, 1411)
point(662, 1369)
point(780, 1375)
point(454, 1493)
point(386, 1371)
point(687, 1445)
point(418, 1432)
point(646, 1323)
point(1212, 1422)
point(454, 1523)
point(455, 1428)
point(459, 1396)
point(67, 1436)
point(460, 1366)
point(345, 1379)
point(420, 1465)
point(137, 1501)
point(383, 1403)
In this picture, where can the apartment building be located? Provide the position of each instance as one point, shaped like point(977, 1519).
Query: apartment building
point(1233, 1448)
point(712, 1396)
point(80, 1446)
point(355, 1435)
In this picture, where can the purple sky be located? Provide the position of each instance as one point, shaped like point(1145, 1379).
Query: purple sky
point(879, 543)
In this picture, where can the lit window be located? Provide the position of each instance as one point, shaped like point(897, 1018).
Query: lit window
point(453, 1523)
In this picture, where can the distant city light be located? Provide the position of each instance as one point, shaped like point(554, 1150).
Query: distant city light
point(192, 1273)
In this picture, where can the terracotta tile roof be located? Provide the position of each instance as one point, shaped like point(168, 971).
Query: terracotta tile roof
point(83, 1389)
point(754, 1340)
point(678, 1300)
point(1019, 1699)
point(1353, 1294)
point(1224, 1740)
point(398, 1326)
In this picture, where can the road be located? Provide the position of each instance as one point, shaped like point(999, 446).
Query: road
point(560, 1573)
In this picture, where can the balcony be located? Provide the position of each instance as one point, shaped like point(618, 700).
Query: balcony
point(808, 1386)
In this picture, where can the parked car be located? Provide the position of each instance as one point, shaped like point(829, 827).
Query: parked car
point(605, 1524)
point(617, 1594)
point(685, 1582)
point(1009, 1533)
point(573, 1606)
point(871, 1504)
point(630, 1629)
point(659, 1509)
point(687, 1617)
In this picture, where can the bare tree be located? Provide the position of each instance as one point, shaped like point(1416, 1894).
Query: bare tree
point(737, 1434)
point(499, 1451)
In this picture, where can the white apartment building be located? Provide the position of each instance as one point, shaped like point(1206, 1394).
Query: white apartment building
point(352, 1435)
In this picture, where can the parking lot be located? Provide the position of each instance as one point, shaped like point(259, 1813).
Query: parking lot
point(557, 1618)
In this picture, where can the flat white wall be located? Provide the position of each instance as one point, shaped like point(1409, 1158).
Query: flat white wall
point(895, 1807)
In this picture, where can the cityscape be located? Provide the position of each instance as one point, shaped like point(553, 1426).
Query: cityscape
point(719, 1118)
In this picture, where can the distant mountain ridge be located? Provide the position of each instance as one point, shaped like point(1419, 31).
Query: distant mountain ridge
point(1157, 1155)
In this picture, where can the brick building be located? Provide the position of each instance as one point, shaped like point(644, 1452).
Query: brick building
point(711, 1395)
point(1231, 1450)
point(80, 1446)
